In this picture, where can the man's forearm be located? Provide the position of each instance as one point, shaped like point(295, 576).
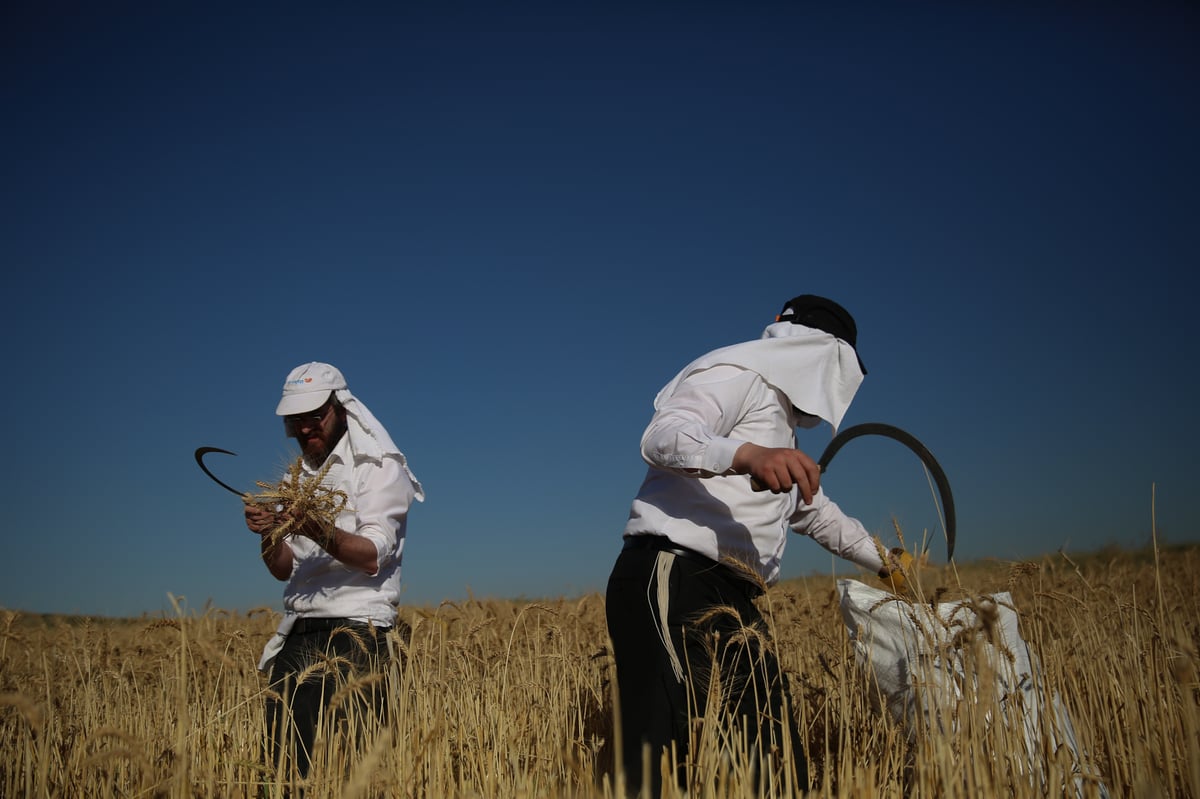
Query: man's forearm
point(356, 551)
point(278, 558)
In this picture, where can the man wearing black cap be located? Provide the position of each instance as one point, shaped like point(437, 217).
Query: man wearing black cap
point(706, 534)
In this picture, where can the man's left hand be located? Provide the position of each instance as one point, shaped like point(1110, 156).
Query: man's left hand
point(898, 568)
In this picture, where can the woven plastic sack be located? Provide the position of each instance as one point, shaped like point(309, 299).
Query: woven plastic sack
point(924, 660)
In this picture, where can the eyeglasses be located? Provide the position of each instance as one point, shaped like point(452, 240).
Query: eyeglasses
point(315, 418)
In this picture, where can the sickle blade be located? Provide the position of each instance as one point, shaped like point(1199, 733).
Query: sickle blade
point(200, 453)
point(910, 441)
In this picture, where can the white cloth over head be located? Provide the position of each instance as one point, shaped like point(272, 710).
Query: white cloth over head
point(307, 388)
point(818, 372)
point(368, 438)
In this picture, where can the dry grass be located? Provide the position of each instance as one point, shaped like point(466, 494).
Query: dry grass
point(514, 699)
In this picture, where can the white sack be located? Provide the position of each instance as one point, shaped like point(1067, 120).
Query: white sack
point(900, 643)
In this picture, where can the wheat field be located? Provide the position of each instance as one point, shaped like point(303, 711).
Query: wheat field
point(515, 699)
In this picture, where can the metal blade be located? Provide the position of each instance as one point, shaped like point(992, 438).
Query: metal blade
point(200, 453)
point(910, 441)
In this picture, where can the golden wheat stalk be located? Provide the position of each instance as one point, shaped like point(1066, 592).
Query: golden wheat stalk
point(303, 499)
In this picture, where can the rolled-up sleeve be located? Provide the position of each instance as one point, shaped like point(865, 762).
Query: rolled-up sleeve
point(384, 495)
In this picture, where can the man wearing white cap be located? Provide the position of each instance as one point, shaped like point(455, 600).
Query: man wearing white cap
point(706, 534)
point(343, 582)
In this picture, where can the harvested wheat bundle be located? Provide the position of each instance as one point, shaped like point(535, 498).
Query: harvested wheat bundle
point(301, 499)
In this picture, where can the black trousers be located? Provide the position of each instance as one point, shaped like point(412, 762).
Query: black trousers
point(710, 620)
point(326, 653)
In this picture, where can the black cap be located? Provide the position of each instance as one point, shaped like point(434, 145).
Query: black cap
point(817, 312)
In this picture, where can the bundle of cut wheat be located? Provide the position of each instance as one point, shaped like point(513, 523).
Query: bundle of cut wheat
point(299, 499)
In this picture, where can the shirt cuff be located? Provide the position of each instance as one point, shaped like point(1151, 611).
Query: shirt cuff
point(718, 455)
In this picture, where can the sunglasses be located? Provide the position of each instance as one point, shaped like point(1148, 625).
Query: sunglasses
point(315, 418)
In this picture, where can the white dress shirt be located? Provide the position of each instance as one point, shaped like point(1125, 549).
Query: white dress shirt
point(691, 496)
point(379, 493)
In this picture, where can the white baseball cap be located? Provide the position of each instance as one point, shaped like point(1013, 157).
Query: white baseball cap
point(308, 387)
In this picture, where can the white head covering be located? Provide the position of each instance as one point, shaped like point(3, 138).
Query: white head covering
point(307, 388)
point(818, 372)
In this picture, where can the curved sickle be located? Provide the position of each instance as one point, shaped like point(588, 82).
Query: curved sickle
point(201, 452)
point(910, 441)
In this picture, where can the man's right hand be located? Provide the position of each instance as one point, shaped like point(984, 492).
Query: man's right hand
point(260, 520)
point(777, 469)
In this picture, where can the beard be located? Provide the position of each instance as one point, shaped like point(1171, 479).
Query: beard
point(315, 451)
point(317, 448)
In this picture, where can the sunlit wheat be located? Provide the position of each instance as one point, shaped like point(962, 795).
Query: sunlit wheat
point(491, 698)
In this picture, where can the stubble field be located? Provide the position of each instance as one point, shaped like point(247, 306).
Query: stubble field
point(515, 699)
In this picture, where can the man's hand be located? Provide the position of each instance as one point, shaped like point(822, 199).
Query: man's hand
point(777, 469)
point(276, 554)
point(260, 520)
point(898, 568)
point(322, 534)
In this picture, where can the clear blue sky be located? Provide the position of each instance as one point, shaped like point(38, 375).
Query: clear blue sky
point(509, 225)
